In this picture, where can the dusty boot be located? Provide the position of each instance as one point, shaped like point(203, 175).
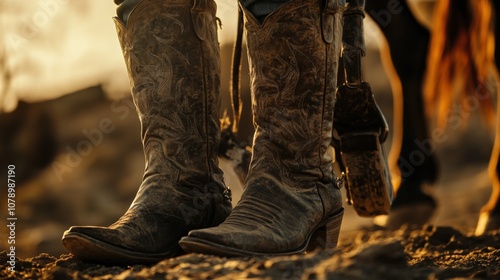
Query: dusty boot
point(290, 197)
point(174, 75)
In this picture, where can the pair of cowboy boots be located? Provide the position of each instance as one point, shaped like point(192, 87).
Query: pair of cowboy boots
point(290, 199)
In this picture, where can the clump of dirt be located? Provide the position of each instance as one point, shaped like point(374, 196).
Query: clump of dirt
point(427, 252)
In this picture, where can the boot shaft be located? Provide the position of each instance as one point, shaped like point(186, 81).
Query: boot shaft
point(293, 58)
point(172, 56)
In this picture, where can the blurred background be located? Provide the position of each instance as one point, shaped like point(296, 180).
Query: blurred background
point(62, 75)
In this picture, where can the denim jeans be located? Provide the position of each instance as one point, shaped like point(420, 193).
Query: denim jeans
point(261, 8)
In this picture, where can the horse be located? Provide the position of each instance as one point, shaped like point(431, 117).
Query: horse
point(425, 70)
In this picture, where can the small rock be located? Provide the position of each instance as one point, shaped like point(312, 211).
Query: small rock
point(391, 252)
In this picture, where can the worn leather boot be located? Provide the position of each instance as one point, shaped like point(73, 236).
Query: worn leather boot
point(290, 198)
point(172, 54)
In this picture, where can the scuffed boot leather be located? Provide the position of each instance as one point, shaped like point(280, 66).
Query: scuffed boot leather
point(172, 55)
point(290, 194)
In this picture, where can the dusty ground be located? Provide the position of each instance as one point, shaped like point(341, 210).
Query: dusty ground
point(409, 253)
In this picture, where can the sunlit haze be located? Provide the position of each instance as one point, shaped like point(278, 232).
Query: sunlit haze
point(54, 47)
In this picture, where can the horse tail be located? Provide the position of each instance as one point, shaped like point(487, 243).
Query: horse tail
point(461, 59)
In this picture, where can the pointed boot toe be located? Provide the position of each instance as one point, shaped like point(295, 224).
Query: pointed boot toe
point(104, 245)
point(209, 241)
point(233, 243)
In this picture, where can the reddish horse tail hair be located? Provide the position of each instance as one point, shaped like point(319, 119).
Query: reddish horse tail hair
point(461, 59)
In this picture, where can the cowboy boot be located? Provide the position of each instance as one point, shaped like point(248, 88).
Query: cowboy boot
point(172, 55)
point(290, 195)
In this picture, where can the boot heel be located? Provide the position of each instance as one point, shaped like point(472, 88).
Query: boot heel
point(327, 236)
point(333, 230)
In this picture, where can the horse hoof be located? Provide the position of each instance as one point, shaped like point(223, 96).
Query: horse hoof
point(415, 214)
point(487, 221)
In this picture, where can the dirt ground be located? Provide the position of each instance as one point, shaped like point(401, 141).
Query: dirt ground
point(408, 253)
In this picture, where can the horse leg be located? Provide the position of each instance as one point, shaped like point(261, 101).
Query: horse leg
point(489, 218)
point(412, 160)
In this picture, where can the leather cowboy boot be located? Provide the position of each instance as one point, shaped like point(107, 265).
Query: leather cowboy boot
point(290, 194)
point(172, 54)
